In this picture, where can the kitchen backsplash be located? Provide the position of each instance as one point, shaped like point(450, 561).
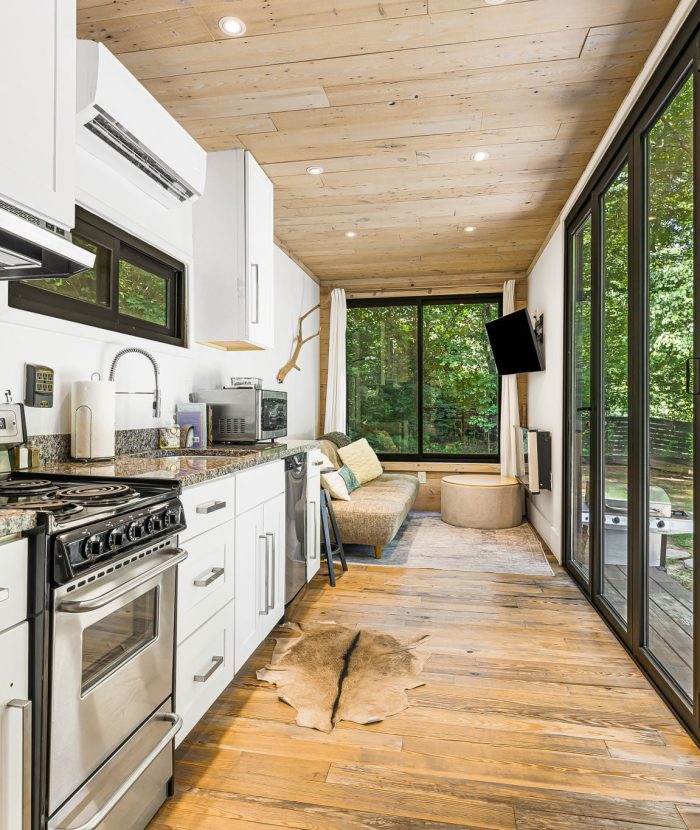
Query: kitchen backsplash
point(55, 449)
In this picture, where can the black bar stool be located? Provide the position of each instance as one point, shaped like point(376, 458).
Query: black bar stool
point(329, 523)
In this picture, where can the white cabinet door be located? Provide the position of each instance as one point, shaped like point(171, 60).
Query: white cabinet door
point(37, 91)
point(15, 762)
point(249, 583)
point(259, 255)
point(233, 239)
point(273, 513)
point(313, 524)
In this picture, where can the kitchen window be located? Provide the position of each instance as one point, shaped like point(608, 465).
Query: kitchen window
point(132, 288)
point(421, 381)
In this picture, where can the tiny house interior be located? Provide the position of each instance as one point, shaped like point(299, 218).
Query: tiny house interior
point(350, 391)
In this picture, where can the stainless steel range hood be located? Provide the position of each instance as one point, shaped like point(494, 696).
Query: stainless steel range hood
point(33, 249)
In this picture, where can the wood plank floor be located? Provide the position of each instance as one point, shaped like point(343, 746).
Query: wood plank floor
point(532, 718)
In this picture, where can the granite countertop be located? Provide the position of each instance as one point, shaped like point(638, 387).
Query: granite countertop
point(16, 521)
point(187, 466)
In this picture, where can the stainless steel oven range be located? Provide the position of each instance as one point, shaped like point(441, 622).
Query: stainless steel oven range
point(103, 623)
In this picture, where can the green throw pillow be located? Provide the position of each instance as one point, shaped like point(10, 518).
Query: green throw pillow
point(349, 478)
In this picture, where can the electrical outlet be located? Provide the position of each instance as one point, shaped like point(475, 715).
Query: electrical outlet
point(422, 477)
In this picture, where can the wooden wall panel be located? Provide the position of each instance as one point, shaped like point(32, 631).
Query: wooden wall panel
point(392, 99)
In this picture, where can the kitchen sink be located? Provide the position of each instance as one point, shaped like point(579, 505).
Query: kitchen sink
point(189, 453)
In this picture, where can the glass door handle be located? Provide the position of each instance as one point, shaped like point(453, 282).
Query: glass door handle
point(692, 375)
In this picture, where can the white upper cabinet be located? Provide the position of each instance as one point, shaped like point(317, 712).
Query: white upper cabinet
point(233, 254)
point(37, 92)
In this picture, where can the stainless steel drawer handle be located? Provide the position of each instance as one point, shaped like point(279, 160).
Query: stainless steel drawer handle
point(210, 506)
point(215, 663)
point(18, 813)
point(273, 557)
point(100, 815)
point(4, 594)
point(267, 575)
point(213, 575)
point(169, 559)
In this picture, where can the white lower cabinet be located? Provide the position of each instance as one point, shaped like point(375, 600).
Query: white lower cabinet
point(15, 713)
point(313, 523)
point(259, 575)
point(204, 668)
point(205, 578)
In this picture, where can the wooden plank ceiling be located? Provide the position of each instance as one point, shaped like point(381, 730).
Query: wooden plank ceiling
point(392, 98)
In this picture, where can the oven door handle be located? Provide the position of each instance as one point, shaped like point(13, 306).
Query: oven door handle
point(81, 606)
point(123, 789)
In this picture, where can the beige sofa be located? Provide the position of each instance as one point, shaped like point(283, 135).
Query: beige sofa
point(376, 510)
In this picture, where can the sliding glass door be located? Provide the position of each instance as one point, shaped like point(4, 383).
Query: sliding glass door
point(668, 151)
point(633, 385)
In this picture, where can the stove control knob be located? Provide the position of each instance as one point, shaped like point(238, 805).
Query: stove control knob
point(92, 547)
point(157, 523)
point(134, 531)
point(172, 517)
point(150, 525)
point(115, 539)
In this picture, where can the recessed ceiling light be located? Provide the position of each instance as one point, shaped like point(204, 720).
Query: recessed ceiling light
point(494, 2)
point(232, 26)
point(314, 170)
point(469, 229)
point(480, 155)
point(350, 233)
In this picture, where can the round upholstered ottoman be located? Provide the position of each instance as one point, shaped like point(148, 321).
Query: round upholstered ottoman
point(482, 501)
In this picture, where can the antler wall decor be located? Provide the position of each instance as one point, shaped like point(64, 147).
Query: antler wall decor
point(299, 341)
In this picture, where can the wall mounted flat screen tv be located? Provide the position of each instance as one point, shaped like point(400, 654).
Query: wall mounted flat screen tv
point(514, 344)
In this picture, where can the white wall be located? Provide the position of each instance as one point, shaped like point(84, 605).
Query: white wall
point(544, 392)
point(75, 351)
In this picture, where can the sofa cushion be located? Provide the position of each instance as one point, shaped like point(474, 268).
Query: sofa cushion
point(329, 449)
point(377, 510)
point(349, 478)
point(362, 460)
point(336, 485)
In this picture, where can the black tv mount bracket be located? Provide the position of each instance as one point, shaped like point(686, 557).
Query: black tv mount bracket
point(539, 328)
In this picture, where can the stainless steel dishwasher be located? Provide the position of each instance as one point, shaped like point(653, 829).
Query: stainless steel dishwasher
point(295, 510)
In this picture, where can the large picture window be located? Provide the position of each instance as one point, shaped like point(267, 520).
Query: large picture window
point(421, 381)
point(132, 287)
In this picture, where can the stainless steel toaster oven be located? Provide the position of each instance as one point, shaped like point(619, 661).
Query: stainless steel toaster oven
point(245, 415)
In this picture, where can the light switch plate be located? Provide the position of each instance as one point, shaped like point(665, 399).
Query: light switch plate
point(422, 477)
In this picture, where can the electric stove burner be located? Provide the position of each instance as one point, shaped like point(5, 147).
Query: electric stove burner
point(26, 487)
point(50, 505)
point(97, 494)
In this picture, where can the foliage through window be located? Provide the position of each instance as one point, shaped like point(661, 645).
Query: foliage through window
point(421, 381)
point(132, 288)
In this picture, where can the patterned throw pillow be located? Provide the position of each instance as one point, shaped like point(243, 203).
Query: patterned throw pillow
point(362, 460)
point(349, 478)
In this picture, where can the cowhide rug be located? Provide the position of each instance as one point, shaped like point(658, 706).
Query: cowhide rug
point(329, 673)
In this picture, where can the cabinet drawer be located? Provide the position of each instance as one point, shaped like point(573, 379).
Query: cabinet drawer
point(204, 668)
point(14, 670)
point(255, 486)
point(13, 583)
point(207, 505)
point(205, 578)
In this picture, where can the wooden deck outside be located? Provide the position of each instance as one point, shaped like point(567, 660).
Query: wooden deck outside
point(533, 717)
point(670, 617)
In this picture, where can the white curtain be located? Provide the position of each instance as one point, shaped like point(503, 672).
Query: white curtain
point(335, 389)
point(510, 417)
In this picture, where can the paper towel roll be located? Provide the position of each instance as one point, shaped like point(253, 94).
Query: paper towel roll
point(92, 430)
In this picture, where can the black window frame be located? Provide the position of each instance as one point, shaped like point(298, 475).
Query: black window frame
point(420, 302)
point(28, 297)
point(681, 59)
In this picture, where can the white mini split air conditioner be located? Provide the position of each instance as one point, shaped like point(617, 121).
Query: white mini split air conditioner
point(122, 124)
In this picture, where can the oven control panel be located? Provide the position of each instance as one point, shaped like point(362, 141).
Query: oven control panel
point(86, 548)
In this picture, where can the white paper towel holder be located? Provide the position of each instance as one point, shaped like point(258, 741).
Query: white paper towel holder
point(86, 412)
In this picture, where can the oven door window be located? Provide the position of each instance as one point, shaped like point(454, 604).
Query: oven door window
point(274, 414)
point(114, 640)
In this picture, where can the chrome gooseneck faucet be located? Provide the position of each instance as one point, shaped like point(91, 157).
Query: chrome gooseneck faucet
point(156, 372)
